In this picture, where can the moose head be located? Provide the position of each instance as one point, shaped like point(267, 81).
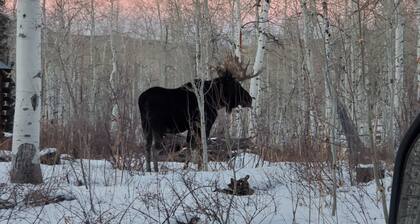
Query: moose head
point(231, 73)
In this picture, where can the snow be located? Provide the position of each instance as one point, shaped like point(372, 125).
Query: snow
point(283, 195)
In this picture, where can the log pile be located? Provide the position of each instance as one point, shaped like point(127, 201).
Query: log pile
point(219, 149)
point(238, 187)
point(364, 173)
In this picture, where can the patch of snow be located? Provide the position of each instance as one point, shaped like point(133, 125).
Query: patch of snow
point(365, 165)
point(115, 196)
point(66, 157)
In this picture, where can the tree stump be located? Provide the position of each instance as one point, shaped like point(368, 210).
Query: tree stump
point(24, 170)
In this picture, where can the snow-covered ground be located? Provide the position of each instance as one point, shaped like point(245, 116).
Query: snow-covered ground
point(282, 195)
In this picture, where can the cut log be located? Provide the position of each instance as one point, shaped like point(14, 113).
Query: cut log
point(364, 173)
point(36, 198)
point(218, 148)
point(49, 156)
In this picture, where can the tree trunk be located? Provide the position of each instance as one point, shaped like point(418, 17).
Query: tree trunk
point(205, 72)
point(237, 28)
point(258, 65)
point(398, 90)
point(4, 30)
point(418, 50)
point(115, 130)
point(237, 35)
point(389, 112)
point(92, 59)
point(25, 148)
point(201, 72)
point(309, 76)
point(112, 76)
point(331, 101)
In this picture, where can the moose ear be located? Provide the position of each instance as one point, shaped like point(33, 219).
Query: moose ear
point(221, 71)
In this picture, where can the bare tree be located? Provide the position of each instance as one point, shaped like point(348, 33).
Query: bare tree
point(92, 56)
point(237, 35)
point(398, 87)
point(202, 68)
point(307, 32)
point(25, 149)
point(331, 100)
point(418, 49)
point(258, 66)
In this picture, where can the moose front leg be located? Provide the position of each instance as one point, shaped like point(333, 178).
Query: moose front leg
point(197, 146)
point(191, 145)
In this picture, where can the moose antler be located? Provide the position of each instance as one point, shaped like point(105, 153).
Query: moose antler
point(237, 68)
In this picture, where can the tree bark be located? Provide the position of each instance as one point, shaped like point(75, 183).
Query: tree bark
point(115, 129)
point(25, 148)
point(4, 28)
point(398, 90)
point(417, 81)
point(237, 35)
point(331, 101)
point(255, 87)
point(309, 76)
point(389, 112)
point(92, 58)
point(201, 72)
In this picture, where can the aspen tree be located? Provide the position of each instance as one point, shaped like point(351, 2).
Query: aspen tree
point(255, 87)
point(26, 131)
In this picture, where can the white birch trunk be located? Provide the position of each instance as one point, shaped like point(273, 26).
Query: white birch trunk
point(258, 65)
point(237, 28)
point(307, 32)
point(237, 35)
point(353, 62)
point(115, 109)
point(331, 107)
point(26, 130)
point(206, 74)
point(92, 57)
point(201, 73)
point(399, 69)
point(389, 125)
point(418, 49)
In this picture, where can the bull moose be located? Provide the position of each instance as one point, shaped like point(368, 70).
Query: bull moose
point(176, 110)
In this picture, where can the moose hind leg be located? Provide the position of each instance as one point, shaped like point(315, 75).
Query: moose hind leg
point(156, 149)
point(149, 141)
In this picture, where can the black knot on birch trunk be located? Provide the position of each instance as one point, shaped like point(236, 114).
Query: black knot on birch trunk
point(34, 101)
